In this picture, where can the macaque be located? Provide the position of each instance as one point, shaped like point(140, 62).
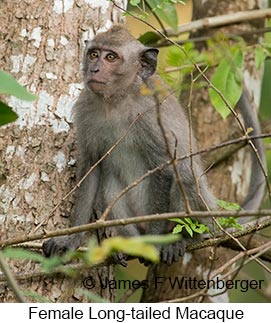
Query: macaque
point(117, 71)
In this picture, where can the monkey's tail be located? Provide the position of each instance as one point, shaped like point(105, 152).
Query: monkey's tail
point(257, 182)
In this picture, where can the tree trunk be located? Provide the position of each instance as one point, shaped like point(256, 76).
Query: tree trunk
point(41, 46)
point(229, 180)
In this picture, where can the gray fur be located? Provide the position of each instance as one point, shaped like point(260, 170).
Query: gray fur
point(101, 119)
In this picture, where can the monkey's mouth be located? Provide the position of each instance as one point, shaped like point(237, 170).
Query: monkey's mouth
point(96, 86)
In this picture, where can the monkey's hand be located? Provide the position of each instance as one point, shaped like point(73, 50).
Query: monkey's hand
point(170, 253)
point(59, 245)
point(119, 259)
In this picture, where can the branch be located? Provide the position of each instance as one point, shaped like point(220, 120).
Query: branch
point(256, 243)
point(248, 228)
point(261, 224)
point(219, 21)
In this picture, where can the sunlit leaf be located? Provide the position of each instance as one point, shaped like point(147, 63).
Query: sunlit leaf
point(8, 85)
point(189, 230)
point(228, 206)
point(20, 253)
point(165, 11)
point(228, 80)
point(134, 2)
point(190, 225)
point(260, 56)
point(177, 229)
point(230, 222)
point(134, 246)
point(149, 37)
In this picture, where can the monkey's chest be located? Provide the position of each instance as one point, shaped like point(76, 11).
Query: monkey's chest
point(124, 165)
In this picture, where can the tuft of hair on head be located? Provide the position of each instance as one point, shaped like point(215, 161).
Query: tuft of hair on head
point(115, 36)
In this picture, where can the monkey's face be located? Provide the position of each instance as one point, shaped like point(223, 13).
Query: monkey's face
point(109, 71)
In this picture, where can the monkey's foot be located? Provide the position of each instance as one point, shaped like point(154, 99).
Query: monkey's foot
point(59, 245)
point(172, 253)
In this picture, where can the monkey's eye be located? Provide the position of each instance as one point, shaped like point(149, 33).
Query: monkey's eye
point(111, 57)
point(93, 55)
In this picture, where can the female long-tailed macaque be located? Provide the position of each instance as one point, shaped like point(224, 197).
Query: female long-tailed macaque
point(116, 68)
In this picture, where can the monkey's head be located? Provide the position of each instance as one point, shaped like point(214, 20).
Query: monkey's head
point(114, 61)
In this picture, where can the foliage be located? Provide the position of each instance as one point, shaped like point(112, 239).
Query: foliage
point(229, 222)
point(227, 78)
point(142, 246)
point(228, 206)
point(225, 57)
point(165, 10)
point(8, 85)
point(191, 226)
point(135, 246)
point(47, 264)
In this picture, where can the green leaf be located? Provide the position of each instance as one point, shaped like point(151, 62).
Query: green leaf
point(177, 220)
point(135, 246)
point(267, 36)
point(189, 230)
point(175, 56)
point(8, 85)
point(20, 253)
point(260, 56)
point(228, 79)
point(6, 114)
point(149, 37)
point(161, 239)
point(165, 11)
point(229, 222)
point(201, 228)
point(177, 1)
point(130, 246)
point(134, 2)
point(47, 264)
point(229, 206)
point(50, 264)
point(178, 229)
point(190, 226)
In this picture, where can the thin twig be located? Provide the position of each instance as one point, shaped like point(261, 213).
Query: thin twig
point(157, 18)
point(237, 242)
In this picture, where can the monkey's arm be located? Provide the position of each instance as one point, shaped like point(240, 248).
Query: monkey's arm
point(82, 213)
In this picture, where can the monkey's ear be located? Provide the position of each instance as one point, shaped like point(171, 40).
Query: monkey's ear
point(148, 62)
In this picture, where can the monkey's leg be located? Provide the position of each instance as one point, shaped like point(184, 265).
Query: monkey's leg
point(82, 213)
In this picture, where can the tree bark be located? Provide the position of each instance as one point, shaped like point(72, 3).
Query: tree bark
point(41, 46)
point(229, 180)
